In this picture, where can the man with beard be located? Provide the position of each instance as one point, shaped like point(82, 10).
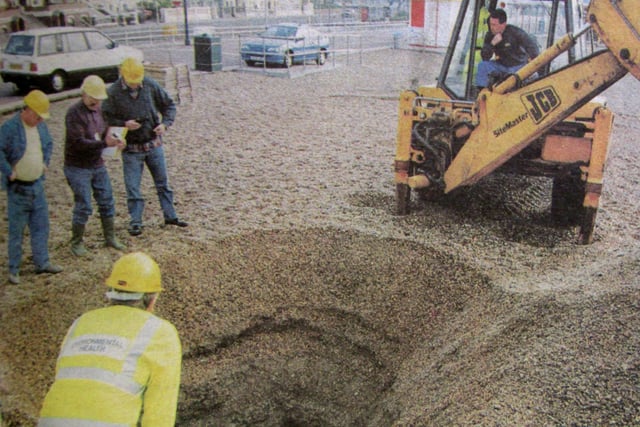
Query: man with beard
point(84, 167)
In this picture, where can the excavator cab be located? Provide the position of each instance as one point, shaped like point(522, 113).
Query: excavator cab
point(546, 21)
point(543, 120)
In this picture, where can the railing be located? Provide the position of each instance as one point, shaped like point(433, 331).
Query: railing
point(166, 43)
point(345, 48)
point(174, 33)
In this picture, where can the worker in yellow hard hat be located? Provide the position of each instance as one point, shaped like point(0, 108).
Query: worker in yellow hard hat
point(38, 102)
point(141, 105)
point(132, 71)
point(25, 152)
point(119, 365)
point(84, 166)
point(94, 87)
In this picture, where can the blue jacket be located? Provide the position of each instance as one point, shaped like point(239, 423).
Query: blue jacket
point(13, 143)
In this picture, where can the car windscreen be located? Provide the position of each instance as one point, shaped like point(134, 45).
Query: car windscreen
point(98, 40)
point(20, 45)
point(279, 32)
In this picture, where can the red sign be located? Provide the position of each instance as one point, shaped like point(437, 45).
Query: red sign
point(417, 13)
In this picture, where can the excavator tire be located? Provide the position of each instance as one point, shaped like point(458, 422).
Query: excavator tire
point(567, 197)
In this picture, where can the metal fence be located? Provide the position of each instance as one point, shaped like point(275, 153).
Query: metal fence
point(343, 48)
point(148, 35)
point(175, 33)
point(168, 44)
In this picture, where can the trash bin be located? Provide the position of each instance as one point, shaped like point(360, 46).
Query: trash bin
point(208, 53)
point(397, 40)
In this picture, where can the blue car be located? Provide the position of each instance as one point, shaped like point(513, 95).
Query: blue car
point(286, 44)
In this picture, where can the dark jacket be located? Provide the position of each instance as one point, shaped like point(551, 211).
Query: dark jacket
point(152, 107)
point(81, 148)
point(516, 48)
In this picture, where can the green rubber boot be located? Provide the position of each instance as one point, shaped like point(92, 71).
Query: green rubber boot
point(77, 246)
point(108, 228)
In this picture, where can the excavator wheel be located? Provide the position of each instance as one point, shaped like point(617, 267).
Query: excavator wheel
point(403, 199)
point(567, 197)
point(567, 208)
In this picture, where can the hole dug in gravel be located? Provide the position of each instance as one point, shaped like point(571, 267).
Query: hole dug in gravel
point(306, 327)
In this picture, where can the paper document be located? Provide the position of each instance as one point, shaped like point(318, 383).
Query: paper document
point(116, 132)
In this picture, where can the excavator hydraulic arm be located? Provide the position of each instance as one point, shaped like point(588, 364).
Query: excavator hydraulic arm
point(617, 23)
point(510, 118)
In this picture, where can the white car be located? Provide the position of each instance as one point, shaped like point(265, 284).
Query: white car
point(53, 59)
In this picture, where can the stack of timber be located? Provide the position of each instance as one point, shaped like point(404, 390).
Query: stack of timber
point(175, 79)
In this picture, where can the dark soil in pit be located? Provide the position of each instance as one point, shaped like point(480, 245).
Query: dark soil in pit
point(322, 321)
point(335, 328)
point(301, 299)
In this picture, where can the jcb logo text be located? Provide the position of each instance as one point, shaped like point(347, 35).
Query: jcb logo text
point(540, 103)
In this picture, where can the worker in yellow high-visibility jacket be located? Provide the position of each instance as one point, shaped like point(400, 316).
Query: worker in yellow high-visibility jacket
point(119, 365)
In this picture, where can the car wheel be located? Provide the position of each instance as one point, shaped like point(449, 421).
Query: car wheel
point(58, 81)
point(250, 63)
point(322, 57)
point(288, 59)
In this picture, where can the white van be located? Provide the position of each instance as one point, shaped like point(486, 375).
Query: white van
point(53, 59)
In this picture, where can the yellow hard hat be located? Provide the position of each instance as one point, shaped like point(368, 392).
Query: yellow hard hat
point(132, 70)
point(38, 102)
point(135, 273)
point(94, 87)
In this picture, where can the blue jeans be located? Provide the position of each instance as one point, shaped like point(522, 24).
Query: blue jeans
point(27, 205)
point(487, 67)
point(83, 183)
point(133, 165)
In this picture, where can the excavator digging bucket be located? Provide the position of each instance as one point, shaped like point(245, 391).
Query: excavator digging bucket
point(617, 24)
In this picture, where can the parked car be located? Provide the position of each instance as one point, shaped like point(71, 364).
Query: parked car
point(348, 15)
point(53, 59)
point(286, 44)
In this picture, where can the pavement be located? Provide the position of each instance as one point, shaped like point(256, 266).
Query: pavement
point(10, 106)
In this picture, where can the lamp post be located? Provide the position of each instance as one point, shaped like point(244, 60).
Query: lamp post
point(187, 41)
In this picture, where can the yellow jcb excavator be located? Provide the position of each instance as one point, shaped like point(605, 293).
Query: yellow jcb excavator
point(544, 120)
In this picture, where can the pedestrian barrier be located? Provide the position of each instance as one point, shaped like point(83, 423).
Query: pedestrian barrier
point(170, 30)
point(175, 79)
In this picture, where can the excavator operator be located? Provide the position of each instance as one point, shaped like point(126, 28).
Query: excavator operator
point(512, 46)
